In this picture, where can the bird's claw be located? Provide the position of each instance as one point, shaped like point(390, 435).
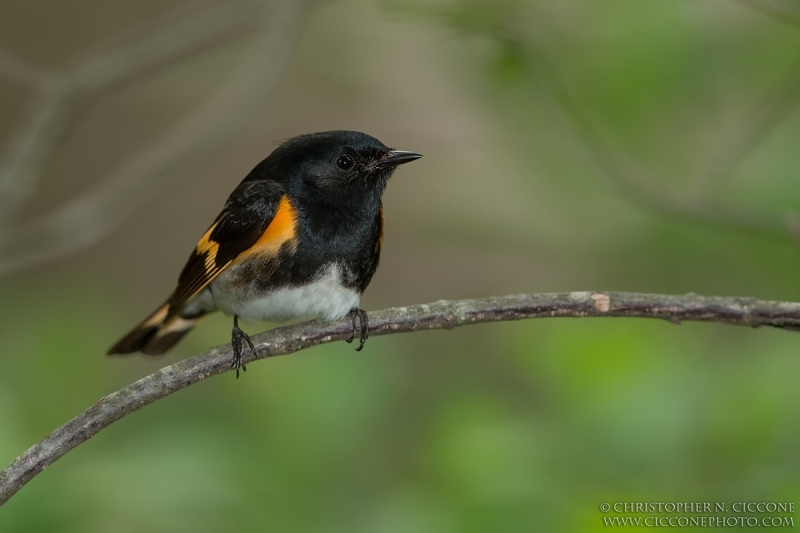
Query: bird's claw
point(238, 337)
point(361, 316)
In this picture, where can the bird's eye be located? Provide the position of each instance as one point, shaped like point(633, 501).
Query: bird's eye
point(345, 162)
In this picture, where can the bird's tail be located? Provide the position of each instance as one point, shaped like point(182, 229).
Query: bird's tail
point(156, 334)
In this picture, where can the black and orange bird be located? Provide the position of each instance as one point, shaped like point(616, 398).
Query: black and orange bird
point(300, 237)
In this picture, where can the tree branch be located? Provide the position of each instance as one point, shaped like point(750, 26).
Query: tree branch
point(438, 315)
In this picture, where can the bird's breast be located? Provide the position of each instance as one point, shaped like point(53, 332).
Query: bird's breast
point(323, 295)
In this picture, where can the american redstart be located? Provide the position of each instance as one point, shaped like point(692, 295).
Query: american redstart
point(300, 237)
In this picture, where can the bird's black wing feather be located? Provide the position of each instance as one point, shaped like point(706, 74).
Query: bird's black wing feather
point(247, 214)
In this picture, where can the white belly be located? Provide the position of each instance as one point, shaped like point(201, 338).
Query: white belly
point(325, 297)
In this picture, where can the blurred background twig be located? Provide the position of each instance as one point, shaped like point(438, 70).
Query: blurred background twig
point(703, 200)
point(86, 218)
point(784, 10)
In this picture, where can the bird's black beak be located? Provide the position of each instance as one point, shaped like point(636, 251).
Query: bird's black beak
point(398, 157)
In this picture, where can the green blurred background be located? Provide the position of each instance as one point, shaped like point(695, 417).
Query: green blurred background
point(569, 145)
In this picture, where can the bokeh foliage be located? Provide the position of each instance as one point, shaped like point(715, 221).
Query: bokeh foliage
point(509, 427)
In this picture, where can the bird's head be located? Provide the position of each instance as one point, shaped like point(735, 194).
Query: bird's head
point(336, 167)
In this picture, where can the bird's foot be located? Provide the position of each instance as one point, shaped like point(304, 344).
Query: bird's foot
point(361, 316)
point(238, 338)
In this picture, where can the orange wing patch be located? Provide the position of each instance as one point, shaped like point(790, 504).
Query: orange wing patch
point(280, 231)
point(208, 247)
point(206, 244)
point(203, 268)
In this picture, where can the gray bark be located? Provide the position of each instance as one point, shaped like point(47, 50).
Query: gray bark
point(437, 315)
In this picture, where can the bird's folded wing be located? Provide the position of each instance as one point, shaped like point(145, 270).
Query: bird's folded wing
point(257, 215)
